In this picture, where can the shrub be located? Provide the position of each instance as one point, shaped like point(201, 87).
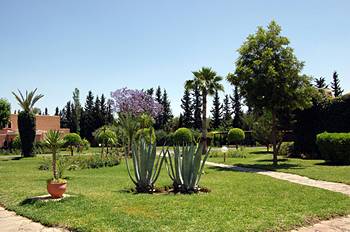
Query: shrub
point(147, 133)
point(183, 136)
point(84, 145)
point(235, 136)
point(16, 143)
point(334, 147)
point(162, 138)
point(72, 140)
point(286, 149)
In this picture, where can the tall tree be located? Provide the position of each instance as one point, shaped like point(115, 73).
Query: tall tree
point(46, 111)
point(226, 113)
point(5, 112)
point(335, 85)
point(237, 121)
point(87, 119)
point(320, 83)
point(186, 106)
point(216, 113)
point(66, 117)
point(268, 76)
point(109, 115)
point(98, 117)
point(158, 99)
point(26, 120)
point(166, 114)
point(208, 82)
point(76, 111)
point(57, 111)
point(103, 110)
point(197, 108)
point(150, 91)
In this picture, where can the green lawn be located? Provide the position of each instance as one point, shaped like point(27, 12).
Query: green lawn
point(238, 201)
point(315, 169)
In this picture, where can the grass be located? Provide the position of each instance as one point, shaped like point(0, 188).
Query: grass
point(238, 201)
point(315, 169)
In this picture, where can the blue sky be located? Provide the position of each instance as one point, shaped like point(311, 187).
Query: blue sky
point(101, 46)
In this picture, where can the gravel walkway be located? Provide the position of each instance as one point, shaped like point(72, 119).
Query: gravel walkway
point(335, 225)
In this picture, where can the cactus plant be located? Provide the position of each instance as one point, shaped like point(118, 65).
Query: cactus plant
point(146, 165)
point(186, 166)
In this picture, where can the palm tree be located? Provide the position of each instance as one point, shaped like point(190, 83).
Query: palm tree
point(26, 120)
point(129, 125)
point(208, 82)
point(106, 136)
point(54, 141)
point(27, 103)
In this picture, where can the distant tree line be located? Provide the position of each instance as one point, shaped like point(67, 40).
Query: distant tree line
point(96, 113)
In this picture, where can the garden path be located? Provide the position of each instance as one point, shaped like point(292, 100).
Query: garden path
point(10, 222)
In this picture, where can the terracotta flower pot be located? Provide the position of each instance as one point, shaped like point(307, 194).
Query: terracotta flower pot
point(56, 190)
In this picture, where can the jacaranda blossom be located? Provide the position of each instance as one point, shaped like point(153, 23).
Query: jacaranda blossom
point(135, 102)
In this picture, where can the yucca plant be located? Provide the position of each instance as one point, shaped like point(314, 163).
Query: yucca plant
point(146, 165)
point(185, 167)
point(54, 141)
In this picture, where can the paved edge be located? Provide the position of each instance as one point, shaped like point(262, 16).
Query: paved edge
point(11, 222)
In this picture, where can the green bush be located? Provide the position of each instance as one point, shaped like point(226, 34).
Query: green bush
point(162, 138)
point(235, 136)
point(16, 143)
point(183, 136)
point(84, 144)
point(147, 133)
point(334, 147)
point(286, 149)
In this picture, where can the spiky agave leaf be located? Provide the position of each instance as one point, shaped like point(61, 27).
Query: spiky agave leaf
point(186, 166)
point(146, 166)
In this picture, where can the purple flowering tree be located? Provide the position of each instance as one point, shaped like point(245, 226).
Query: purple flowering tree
point(135, 102)
point(131, 105)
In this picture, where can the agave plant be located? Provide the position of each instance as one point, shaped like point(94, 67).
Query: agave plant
point(146, 165)
point(186, 166)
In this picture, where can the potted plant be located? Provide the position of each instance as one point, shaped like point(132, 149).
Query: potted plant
point(56, 186)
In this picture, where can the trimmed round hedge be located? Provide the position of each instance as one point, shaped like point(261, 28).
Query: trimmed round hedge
point(334, 147)
point(235, 136)
point(183, 136)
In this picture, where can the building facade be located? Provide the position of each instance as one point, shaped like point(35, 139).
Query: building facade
point(44, 123)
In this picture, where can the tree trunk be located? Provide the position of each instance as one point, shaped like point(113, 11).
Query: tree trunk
point(54, 164)
point(274, 138)
point(204, 123)
point(71, 150)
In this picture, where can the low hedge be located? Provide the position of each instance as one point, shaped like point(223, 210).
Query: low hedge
point(334, 147)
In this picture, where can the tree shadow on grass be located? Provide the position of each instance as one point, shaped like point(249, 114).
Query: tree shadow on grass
point(328, 163)
point(261, 152)
point(254, 168)
point(270, 160)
